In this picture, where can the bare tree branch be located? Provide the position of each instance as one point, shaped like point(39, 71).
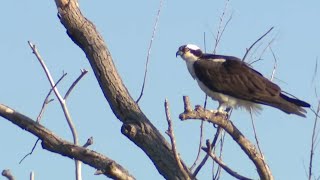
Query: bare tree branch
point(248, 50)
point(149, 51)
point(83, 73)
point(34, 146)
point(204, 160)
point(172, 138)
point(62, 103)
point(136, 126)
point(274, 65)
point(250, 150)
point(221, 28)
point(313, 141)
point(54, 143)
point(88, 143)
point(219, 161)
point(201, 138)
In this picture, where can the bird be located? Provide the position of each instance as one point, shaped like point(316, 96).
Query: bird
point(235, 84)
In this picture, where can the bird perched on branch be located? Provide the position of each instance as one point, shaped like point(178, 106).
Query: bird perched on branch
point(233, 83)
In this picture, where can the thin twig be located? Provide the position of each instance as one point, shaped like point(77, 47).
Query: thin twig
point(44, 105)
point(313, 140)
point(248, 50)
point(170, 133)
point(83, 72)
point(274, 65)
point(63, 105)
point(34, 146)
point(255, 133)
point(220, 31)
point(89, 142)
point(204, 160)
point(221, 163)
point(47, 101)
point(149, 51)
point(315, 71)
point(201, 137)
point(218, 173)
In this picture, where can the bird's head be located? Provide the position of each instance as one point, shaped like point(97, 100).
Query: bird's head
point(189, 52)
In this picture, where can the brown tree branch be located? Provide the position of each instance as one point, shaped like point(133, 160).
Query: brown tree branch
point(54, 143)
point(251, 151)
point(136, 126)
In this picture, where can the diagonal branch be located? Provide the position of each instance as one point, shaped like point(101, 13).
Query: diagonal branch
point(251, 151)
point(248, 50)
point(54, 143)
point(219, 161)
point(136, 126)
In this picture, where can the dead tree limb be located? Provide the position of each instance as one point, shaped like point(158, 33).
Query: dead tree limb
point(136, 126)
point(54, 143)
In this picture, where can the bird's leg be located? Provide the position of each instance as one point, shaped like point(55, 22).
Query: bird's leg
point(223, 109)
point(229, 111)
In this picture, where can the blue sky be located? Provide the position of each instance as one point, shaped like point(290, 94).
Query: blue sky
point(127, 28)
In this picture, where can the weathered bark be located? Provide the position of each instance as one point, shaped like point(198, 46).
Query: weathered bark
point(54, 143)
point(136, 125)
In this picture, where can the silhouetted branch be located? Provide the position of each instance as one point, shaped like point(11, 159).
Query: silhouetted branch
point(204, 160)
point(219, 161)
point(83, 73)
point(313, 141)
point(248, 50)
point(149, 52)
point(221, 28)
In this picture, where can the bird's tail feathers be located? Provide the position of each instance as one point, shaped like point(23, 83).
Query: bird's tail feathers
point(292, 105)
point(295, 101)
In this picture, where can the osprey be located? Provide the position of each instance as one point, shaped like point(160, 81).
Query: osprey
point(233, 83)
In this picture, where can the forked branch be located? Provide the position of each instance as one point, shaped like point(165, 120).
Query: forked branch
point(205, 115)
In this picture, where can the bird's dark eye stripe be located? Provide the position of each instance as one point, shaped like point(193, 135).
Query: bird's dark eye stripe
point(197, 53)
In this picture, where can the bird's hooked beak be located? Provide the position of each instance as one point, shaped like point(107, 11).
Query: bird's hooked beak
point(179, 53)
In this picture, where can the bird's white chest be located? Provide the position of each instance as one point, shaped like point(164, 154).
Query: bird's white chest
point(221, 98)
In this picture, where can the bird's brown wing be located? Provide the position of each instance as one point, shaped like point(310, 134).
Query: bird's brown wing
point(235, 78)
